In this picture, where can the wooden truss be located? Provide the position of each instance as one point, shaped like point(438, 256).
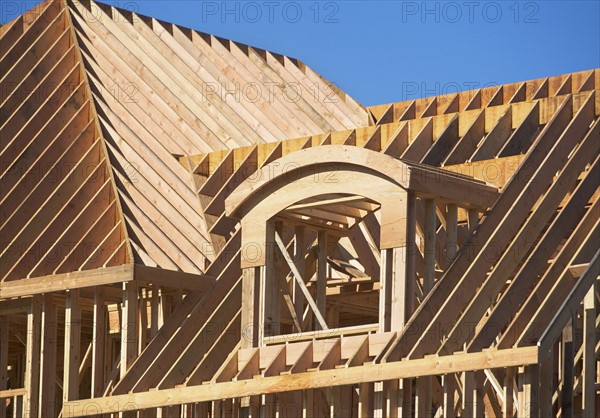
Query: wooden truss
point(180, 238)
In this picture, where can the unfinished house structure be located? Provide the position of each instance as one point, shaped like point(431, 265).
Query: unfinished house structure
point(193, 227)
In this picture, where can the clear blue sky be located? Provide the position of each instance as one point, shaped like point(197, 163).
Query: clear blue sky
point(385, 51)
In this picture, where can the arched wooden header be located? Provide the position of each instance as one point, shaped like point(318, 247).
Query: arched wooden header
point(341, 169)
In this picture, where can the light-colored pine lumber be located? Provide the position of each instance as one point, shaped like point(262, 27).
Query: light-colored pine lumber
point(171, 217)
point(72, 350)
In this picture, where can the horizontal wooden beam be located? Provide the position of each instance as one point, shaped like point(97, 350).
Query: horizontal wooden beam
point(320, 334)
point(66, 281)
point(430, 366)
point(105, 276)
point(172, 279)
point(7, 394)
point(428, 182)
point(334, 201)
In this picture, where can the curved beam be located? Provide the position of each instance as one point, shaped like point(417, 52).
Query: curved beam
point(313, 161)
point(282, 194)
point(335, 169)
point(424, 180)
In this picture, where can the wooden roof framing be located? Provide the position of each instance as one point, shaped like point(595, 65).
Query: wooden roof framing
point(129, 147)
point(131, 115)
point(212, 169)
point(571, 114)
point(59, 207)
point(485, 97)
